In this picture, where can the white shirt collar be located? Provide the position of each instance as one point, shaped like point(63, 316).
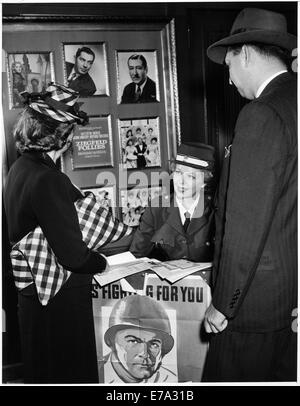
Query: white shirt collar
point(183, 210)
point(266, 82)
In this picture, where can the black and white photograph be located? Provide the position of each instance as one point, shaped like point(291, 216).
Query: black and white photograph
point(133, 203)
point(181, 265)
point(106, 196)
point(85, 68)
point(137, 76)
point(140, 143)
point(28, 72)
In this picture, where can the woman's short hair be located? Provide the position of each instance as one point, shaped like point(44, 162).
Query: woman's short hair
point(37, 132)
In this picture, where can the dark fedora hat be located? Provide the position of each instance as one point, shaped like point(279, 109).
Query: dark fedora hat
point(254, 25)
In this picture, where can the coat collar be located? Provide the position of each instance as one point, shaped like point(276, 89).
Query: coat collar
point(41, 157)
point(277, 81)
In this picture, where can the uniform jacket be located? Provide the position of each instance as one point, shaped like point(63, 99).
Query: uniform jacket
point(255, 262)
point(161, 233)
point(148, 95)
point(83, 84)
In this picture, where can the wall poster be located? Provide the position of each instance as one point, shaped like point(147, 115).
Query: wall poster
point(92, 144)
point(168, 317)
point(140, 143)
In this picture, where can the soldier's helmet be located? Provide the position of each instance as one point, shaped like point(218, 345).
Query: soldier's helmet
point(141, 312)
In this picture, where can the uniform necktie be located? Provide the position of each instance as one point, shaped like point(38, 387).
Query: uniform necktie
point(138, 93)
point(187, 216)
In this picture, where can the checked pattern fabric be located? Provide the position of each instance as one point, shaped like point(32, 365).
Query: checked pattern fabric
point(34, 261)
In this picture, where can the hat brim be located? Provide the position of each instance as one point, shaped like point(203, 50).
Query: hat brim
point(200, 167)
point(217, 51)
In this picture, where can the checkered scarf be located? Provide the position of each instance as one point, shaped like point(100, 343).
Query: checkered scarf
point(34, 261)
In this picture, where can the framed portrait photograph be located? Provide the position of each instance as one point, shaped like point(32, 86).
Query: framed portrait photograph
point(133, 202)
point(137, 76)
point(28, 71)
point(140, 143)
point(85, 68)
point(92, 144)
point(106, 196)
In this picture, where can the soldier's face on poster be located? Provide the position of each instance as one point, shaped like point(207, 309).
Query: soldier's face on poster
point(139, 351)
point(188, 181)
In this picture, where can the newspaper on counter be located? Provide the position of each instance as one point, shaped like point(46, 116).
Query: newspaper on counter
point(126, 264)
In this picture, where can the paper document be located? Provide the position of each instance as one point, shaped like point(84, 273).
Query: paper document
point(174, 270)
point(176, 275)
point(120, 259)
point(126, 264)
point(117, 272)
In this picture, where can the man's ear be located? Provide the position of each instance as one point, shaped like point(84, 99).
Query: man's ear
point(246, 55)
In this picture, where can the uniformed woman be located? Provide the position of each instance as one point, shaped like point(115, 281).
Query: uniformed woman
point(181, 224)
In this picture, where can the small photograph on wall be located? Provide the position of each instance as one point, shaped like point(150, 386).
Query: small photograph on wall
point(85, 68)
point(137, 75)
point(92, 144)
point(134, 202)
point(30, 72)
point(105, 195)
point(140, 143)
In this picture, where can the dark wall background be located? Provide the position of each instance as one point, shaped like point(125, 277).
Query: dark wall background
point(208, 105)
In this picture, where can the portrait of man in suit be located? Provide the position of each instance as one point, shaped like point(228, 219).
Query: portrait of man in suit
point(142, 89)
point(78, 72)
point(86, 68)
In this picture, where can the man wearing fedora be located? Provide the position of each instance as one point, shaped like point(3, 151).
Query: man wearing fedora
point(254, 295)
